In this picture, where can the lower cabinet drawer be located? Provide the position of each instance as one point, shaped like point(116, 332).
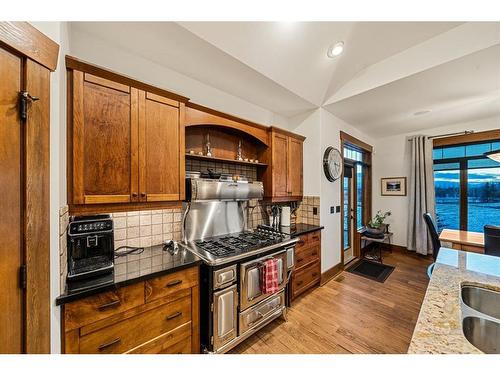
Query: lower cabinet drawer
point(103, 305)
point(167, 342)
point(306, 256)
point(182, 347)
point(170, 284)
point(130, 333)
point(305, 278)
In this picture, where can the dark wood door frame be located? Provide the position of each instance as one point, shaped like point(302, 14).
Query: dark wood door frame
point(39, 56)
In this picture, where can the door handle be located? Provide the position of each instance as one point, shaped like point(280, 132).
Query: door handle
point(173, 283)
point(108, 344)
point(108, 305)
point(174, 315)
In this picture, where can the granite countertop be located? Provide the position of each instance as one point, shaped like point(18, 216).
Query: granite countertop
point(154, 261)
point(439, 325)
point(299, 229)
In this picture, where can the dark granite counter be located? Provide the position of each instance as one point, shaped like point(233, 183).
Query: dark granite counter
point(133, 268)
point(299, 229)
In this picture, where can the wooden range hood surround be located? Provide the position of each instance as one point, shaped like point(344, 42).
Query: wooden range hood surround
point(197, 115)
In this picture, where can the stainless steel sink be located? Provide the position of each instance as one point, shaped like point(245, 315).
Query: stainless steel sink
point(483, 300)
point(484, 334)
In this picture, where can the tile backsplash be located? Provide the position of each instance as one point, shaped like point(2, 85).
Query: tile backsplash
point(250, 171)
point(146, 228)
point(153, 227)
point(308, 210)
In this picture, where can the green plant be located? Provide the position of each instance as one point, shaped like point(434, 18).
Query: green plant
point(378, 219)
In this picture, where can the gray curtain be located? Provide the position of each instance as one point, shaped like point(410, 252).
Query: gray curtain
point(421, 192)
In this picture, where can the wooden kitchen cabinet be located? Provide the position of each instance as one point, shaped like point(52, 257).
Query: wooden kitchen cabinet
point(161, 149)
point(125, 139)
point(137, 318)
point(283, 179)
point(307, 271)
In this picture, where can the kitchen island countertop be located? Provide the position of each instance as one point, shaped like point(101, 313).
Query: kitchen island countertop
point(439, 325)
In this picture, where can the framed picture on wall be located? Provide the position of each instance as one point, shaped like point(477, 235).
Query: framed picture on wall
point(393, 186)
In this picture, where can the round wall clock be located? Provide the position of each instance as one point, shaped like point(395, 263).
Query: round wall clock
point(332, 163)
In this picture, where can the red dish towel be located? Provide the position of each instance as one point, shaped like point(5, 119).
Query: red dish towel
point(269, 276)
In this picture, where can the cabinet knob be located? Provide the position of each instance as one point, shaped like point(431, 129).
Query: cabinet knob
point(143, 194)
point(134, 195)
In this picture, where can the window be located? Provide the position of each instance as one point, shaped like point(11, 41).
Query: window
point(467, 186)
point(359, 196)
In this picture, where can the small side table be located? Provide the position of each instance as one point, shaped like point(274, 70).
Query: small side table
point(378, 242)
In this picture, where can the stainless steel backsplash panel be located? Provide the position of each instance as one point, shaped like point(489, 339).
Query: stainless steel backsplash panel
point(215, 218)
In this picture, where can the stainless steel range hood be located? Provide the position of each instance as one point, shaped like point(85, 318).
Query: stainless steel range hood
point(204, 190)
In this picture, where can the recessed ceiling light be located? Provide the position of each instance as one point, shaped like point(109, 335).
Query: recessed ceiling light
point(335, 50)
point(420, 113)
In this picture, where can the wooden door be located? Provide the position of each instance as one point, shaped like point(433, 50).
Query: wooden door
point(280, 165)
point(295, 167)
point(105, 140)
point(37, 193)
point(161, 140)
point(11, 297)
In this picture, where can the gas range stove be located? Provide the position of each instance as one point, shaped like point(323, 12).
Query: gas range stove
point(231, 247)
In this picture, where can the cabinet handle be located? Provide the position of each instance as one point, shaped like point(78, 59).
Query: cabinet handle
point(173, 283)
point(315, 274)
point(300, 260)
point(174, 315)
point(134, 195)
point(299, 283)
point(108, 344)
point(301, 242)
point(108, 305)
point(143, 194)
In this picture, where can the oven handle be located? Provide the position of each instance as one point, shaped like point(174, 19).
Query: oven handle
point(258, 262)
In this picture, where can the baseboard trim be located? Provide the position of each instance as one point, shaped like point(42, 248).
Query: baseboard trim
point(398, 248)
point(331, 273)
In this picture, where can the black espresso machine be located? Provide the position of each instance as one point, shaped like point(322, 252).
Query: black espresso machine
point(90, 251)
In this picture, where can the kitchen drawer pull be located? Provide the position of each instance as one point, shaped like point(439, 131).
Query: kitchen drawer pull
point(108, 305)
point(315, 238)
point(174, 283)
point(299, 283)
point(108, 344)
point(301, 242)
point(174, 315)
point(315, 274)
point(300, 260)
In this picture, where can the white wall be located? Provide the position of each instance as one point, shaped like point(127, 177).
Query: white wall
point(391, 159)
point(97, 51)
point(322, 129)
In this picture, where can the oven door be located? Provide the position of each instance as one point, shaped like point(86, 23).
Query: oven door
point(225, 306)
point(250, 289)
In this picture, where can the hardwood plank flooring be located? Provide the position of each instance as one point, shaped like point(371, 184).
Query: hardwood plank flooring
point(350, 314)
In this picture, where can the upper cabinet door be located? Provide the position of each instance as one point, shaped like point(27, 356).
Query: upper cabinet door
point(105, 136)
point(280, 165)
point(161, 142)
point(295, 167)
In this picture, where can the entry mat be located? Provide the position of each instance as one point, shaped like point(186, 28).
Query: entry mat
point(371, 270)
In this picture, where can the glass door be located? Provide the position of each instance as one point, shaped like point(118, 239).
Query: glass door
point(348, 214)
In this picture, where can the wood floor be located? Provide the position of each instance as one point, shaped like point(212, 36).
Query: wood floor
point(350, 314)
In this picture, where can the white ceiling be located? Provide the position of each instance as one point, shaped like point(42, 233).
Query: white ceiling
point(462, 90)
point(389, 70)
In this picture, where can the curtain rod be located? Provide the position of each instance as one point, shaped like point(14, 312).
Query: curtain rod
point(465, 132)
